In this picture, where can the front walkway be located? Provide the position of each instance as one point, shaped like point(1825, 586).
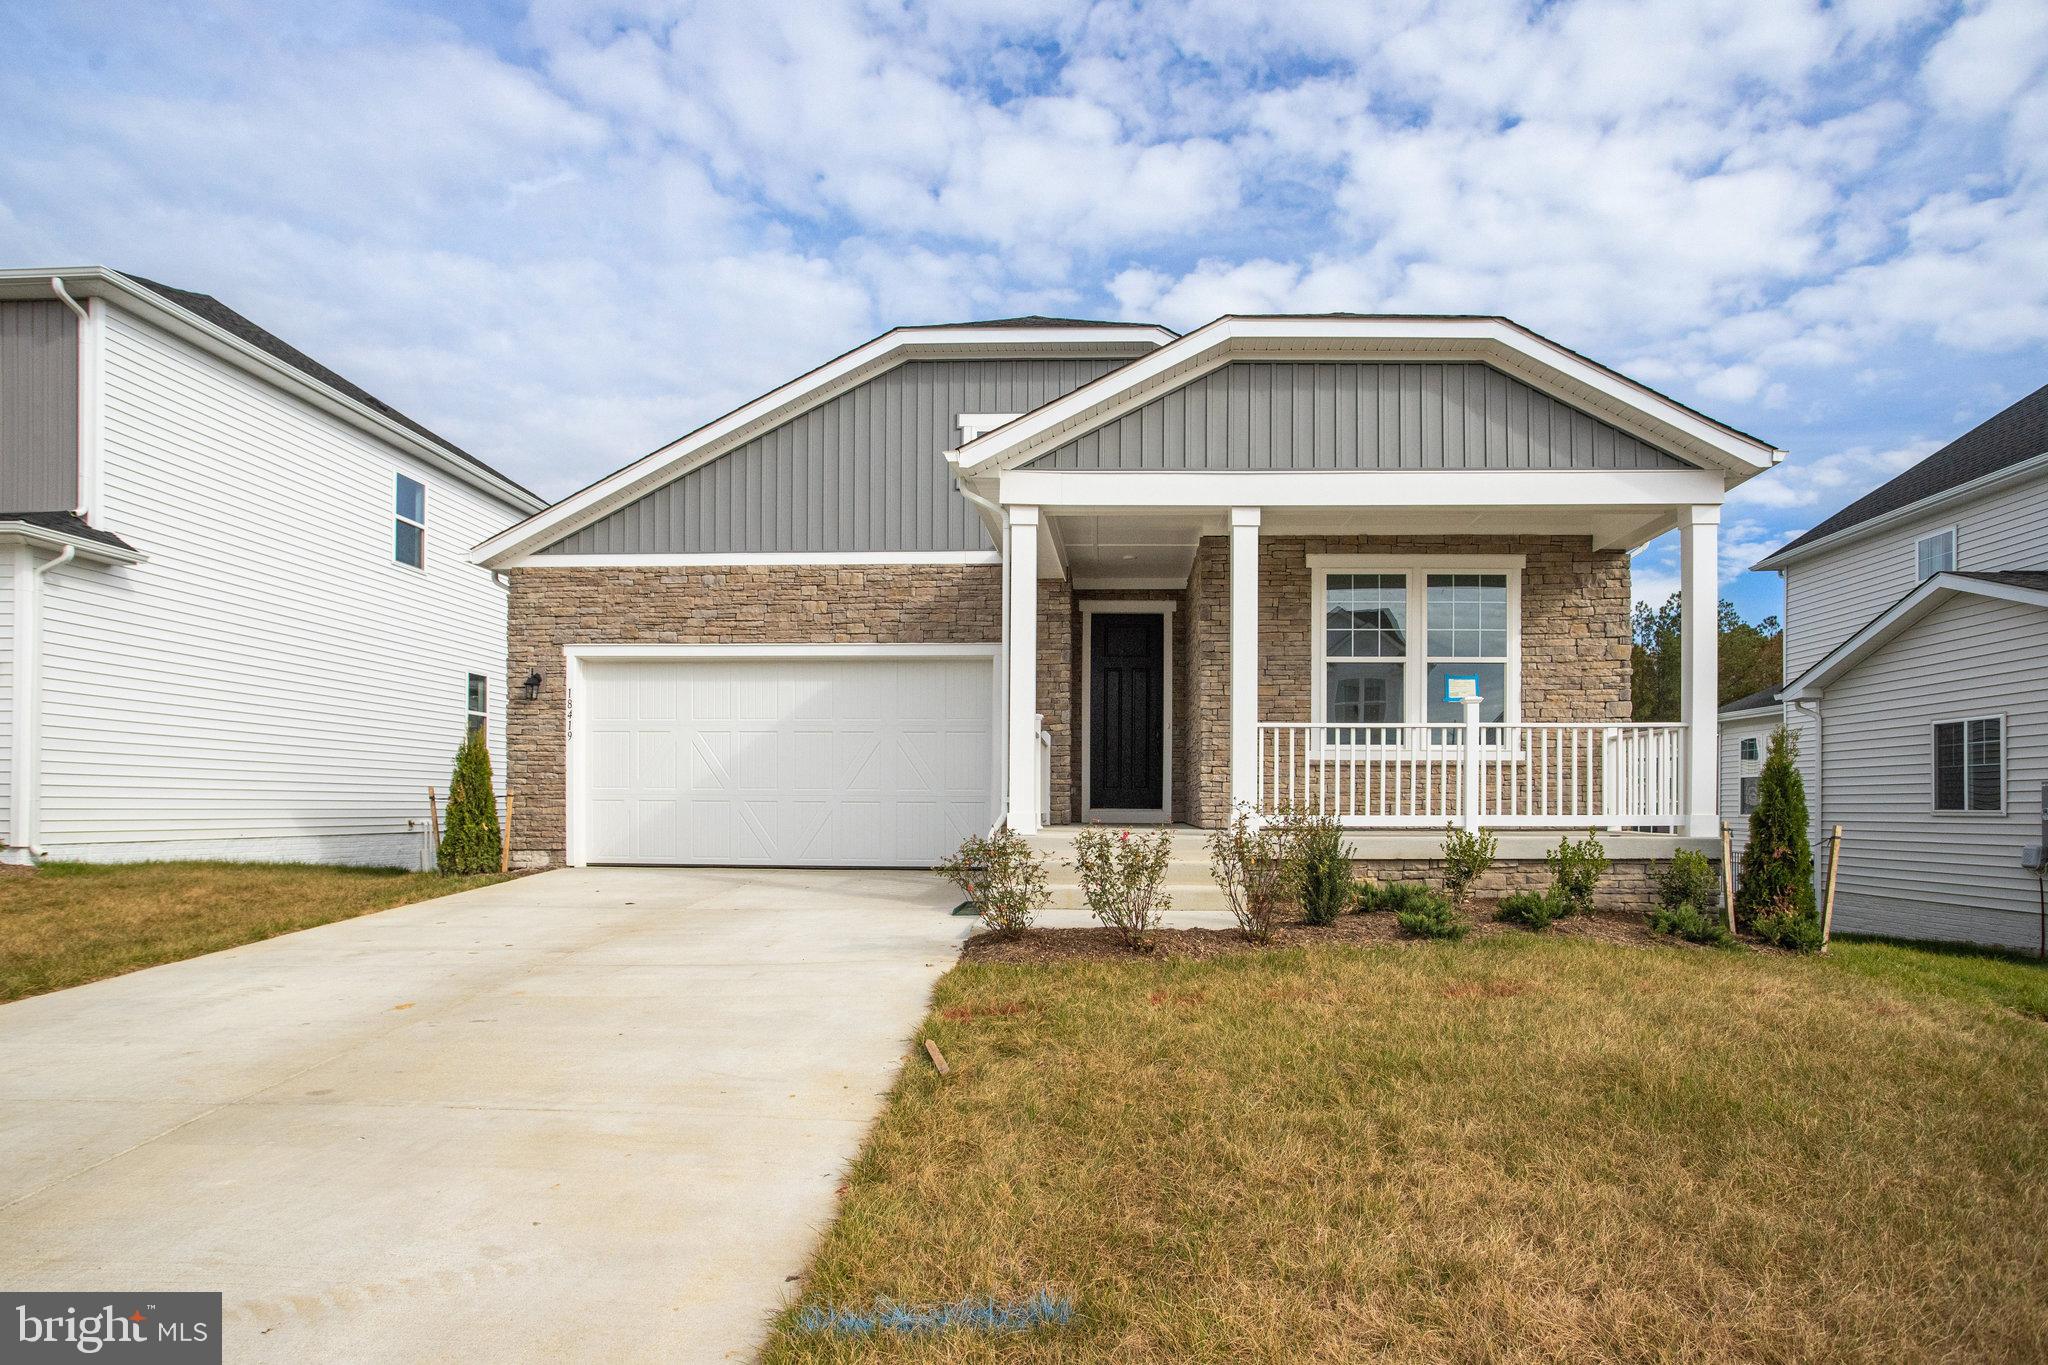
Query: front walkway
point(589, 1115)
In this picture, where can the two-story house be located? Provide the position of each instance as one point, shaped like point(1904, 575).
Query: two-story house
point(1047, 572)
point(237, 614)
point(1916, 682)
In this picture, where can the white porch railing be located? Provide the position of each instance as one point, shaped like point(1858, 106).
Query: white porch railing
point(1543, 776)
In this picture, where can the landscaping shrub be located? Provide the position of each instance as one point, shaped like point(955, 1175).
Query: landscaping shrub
point(1003, 875)
point(1432, 916)
point(1531, 909)
point(1689, 880)
point(1689, 923)
point(1466, 858)
point(1325, 891)
point(1121, 875)
point(1787, 926)
point(1576, 868)
point(1392, 897)
point(1777, 862)
point(470, 841)
point(1259, 866)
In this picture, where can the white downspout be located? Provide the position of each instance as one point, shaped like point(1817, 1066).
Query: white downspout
point(1002, 539)
point(90, 349)
point(1817, 805)
point(24, 815)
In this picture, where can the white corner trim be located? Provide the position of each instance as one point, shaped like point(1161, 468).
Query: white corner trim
point(92, 368)
point(1092, 814)
point(739, 559)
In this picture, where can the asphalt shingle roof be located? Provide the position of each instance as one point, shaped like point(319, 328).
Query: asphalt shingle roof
point(2037, 579)
point(70, 523)
point(2017, 434)
point(1755, 701)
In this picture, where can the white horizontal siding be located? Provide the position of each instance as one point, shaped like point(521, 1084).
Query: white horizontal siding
point(269, 683)
point(6, 694)
point(1734, 769)
point(1833, 595)
point(1906, 870)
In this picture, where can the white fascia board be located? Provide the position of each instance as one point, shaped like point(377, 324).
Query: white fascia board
point(1547, 366)
point(741, 559)
point(27, 533)
point(779, 405)
point(99, 282)
point(1779, 559)
point(1894, 620)
point(626, 653)
point(1110, 490)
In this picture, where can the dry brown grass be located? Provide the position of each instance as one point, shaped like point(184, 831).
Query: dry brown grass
point(1526, 1148)
point(68, 923)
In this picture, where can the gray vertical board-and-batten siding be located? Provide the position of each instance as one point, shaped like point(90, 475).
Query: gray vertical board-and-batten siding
point(1255, 414)
point(38, 406)
point(864, 471)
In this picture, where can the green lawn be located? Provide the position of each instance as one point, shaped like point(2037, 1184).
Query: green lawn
point(1517, 1148)
point(69, 923)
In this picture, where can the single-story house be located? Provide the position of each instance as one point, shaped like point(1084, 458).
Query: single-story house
point(1048, 571)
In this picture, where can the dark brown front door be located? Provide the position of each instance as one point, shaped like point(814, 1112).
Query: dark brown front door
point(1127, 711)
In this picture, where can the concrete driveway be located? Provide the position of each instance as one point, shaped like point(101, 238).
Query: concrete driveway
point(585, 1115)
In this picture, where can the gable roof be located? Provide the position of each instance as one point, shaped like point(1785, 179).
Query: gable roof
point(2028, 586)
point(2001, 443)
point(1766, 700)
point(1007, 337)
point(1500, 342)
point(206, 320)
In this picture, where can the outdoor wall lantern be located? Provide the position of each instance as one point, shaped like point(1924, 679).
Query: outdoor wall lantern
point(530, 689)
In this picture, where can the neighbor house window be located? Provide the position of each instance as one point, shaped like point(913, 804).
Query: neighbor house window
point(1406, 643)
point(1935, 554)
point(1750, 786)
point(409, 533)
point(479, 701)
point(1969, 765)
point(1748, 754)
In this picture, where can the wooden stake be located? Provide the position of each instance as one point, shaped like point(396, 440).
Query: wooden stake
point(938, 1058)
point(505, 838)
point(434, 827)
point(1827, 916)
point(1728, 874)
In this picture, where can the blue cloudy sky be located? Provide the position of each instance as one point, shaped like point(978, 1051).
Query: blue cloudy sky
point(564, 232)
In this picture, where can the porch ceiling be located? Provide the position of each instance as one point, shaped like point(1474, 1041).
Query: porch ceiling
point(1141, 548)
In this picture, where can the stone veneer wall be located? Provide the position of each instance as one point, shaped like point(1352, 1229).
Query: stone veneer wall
point(1059, 653)
point(1575, 635)
point(736, 604)
point(1629, 888)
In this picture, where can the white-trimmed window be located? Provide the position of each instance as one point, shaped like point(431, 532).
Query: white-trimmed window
point(1402, 641)
point(1934, 554)
point(1749, 750)
point(1751, 786)
point(1969, 765)
point(409, 524)
point(479, 702)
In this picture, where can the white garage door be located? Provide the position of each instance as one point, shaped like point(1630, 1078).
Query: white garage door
point(786, 762)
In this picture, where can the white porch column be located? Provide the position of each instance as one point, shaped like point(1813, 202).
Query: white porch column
point(1700, 651)
point(1020, 597)
point(1244, 656)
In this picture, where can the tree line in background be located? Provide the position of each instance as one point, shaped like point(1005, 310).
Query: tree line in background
point(1752, 658)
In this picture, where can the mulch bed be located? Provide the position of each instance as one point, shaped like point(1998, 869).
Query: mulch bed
point(1350, 931)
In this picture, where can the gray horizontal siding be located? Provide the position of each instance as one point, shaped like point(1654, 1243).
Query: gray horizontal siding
point(862, 472)
point(1272, 415)
point(38, 407)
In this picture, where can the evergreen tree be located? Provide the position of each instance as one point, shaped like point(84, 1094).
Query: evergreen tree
point(469, 830)
point(1777, 862)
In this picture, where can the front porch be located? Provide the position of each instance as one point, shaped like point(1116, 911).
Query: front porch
point(1378, 666)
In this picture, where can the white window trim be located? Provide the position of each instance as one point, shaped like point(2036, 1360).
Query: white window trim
point(399, 518)
point(1415, 680)
point(470, 714)
point(1091, 814)
point(1955, 545)
point(2004, 768)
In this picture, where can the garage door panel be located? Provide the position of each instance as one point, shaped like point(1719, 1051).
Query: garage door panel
point(818, 761)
